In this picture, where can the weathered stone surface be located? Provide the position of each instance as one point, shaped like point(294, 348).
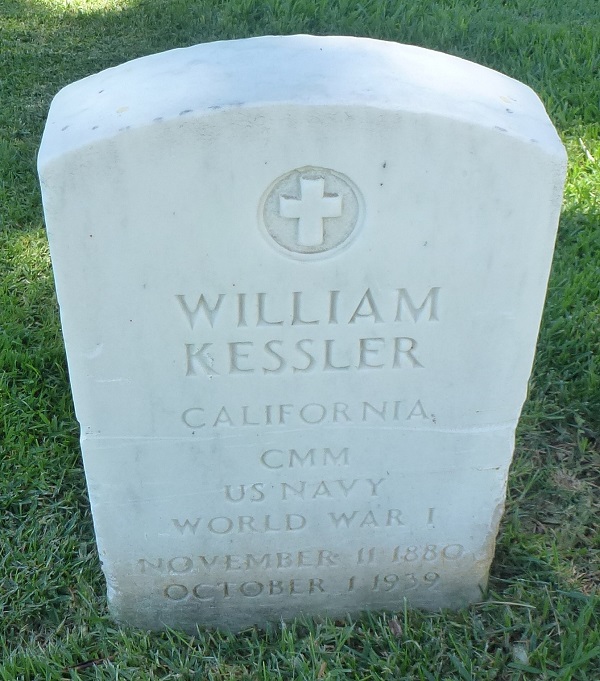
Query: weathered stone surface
point(300, 283)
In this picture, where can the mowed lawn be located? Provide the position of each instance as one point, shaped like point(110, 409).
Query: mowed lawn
point(540, 617)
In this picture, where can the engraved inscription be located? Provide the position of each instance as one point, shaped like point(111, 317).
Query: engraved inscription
point(208, 592)
point(362, 518)
point(329, 489)
point(243, 524)
point(370, 520)
point(430, 553)
point(210, 578)
point(395, 581)
point(311, 212)
point(305, 490)
point(293, 458)
point(280, 560)
point(311, 414)
point(250, 589)
point(311, 559)
point(305, 355)
point(240, 310)
point(353, 350)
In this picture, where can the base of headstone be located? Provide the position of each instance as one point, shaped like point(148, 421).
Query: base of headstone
point(361, 528)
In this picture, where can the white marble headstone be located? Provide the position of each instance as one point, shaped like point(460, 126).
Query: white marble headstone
point(300, 282)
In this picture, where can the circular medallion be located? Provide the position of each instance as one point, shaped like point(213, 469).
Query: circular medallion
point(311, 212)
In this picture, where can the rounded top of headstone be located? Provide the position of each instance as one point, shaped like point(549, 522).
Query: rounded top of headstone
point(295, 70)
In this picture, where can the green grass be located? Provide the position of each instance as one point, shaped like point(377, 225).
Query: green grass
point(541, 617)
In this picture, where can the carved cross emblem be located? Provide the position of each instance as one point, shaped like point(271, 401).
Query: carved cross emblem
point(310, 209)
point(311, 212)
